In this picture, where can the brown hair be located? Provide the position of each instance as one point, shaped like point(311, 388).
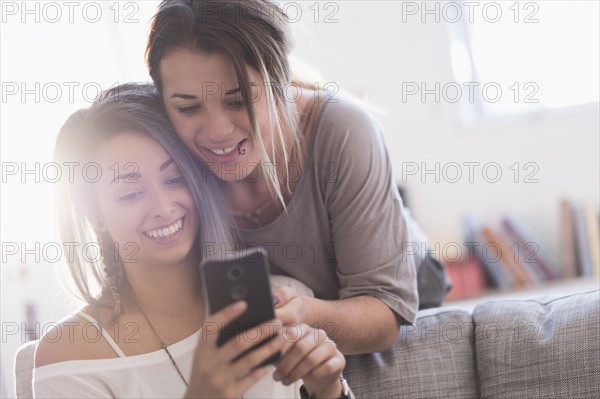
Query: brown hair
point(253, 32)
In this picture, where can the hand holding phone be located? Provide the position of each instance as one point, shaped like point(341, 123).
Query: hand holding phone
point(242, 275)
point(215, 373)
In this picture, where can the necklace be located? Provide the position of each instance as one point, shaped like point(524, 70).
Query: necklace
point(162, 344)
point(306, 124)
point(254, 215)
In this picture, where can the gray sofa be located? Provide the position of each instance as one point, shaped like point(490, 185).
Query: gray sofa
point(546, 347)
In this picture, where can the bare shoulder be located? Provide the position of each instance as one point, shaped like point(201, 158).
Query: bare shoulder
point(72, 338)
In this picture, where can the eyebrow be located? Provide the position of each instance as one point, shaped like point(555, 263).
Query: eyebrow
point(165, 164)
point(233, 91)
point(184, 96)
point(138, 175)
point(124, 176)
point(193, 97)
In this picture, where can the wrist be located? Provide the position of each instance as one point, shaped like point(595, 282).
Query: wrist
point(334, 391)
point(311, 311)
point(339, 390)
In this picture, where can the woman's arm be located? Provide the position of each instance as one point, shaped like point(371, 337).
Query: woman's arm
point(359, 324)
point(374, 248)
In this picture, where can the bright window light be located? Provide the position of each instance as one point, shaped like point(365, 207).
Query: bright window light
point(540, 54)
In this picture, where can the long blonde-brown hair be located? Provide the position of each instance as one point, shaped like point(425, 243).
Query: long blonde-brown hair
point(126, 107)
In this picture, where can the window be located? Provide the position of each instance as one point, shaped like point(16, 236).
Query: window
point(525, 56)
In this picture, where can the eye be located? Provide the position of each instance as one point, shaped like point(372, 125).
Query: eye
point(130, 196)
point(189, 109)
point(176, 181)
point(237, 104)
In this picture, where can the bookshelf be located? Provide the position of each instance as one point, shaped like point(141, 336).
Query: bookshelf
point(501, 258)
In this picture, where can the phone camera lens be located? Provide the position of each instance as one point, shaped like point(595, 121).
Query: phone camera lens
point(235, 273)
point(238, 292)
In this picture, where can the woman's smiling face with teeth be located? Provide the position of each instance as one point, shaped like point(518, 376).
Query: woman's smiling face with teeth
point(143, 201)
point(202, 98)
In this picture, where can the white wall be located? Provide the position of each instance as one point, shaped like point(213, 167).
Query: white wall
point(377, 46)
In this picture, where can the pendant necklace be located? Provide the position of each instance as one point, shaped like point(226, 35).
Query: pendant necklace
point(162, 344)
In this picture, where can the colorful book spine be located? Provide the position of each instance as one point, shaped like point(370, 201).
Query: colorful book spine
point(593, 233)
point(568, 254)
point(468, 278)
point(521, 277)
point(478, 248)
point(530, 250)
point(584, 256)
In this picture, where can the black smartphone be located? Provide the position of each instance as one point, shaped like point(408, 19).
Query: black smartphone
point(241, 275)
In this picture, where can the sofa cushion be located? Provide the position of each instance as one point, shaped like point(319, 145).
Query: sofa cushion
point(433, 358)
point(547, 347)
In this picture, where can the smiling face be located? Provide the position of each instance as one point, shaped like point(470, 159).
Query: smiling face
point(143, 201)
point(202, 98)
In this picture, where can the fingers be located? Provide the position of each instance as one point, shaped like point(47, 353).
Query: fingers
point(292, 333)
point(239, 346)
point(244, 383)
point(216, 322)
point(332, 366)
point(240, 341)
point(284, 295)
point(232, 368)
point(257, 356)
point(307, 353)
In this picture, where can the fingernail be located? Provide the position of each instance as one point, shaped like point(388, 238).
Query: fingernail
point(275, 300)
point(276, 376)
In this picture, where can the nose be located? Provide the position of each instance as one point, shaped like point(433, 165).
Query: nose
point(218, 126)
point(162, 204)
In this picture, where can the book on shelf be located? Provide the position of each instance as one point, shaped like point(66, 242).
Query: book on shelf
point(505, 255)
point(530, 252)
point(477, 246)
point(515, 250)
point(584, 255)
point(521, 276)
point(592, 223)
point(467, 276)
point(509, 254)
point(568, 250)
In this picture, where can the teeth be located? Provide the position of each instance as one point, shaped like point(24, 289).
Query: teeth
point(165, 232)
point(224, 151)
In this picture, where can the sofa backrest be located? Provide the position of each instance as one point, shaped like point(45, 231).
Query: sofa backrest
point(546, 347)
point(434, 358)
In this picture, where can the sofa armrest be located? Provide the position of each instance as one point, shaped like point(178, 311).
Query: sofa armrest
point(24, 362)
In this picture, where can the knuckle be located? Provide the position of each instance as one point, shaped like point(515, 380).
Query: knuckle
point(304, 329)
point(292, 332)
point(330, 367)
point(321, 335)
point(311, 361)
point(304, 345)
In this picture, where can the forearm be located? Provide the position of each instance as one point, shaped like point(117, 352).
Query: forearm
point(361, 324)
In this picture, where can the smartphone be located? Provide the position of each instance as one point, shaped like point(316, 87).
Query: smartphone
point(241, 275)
